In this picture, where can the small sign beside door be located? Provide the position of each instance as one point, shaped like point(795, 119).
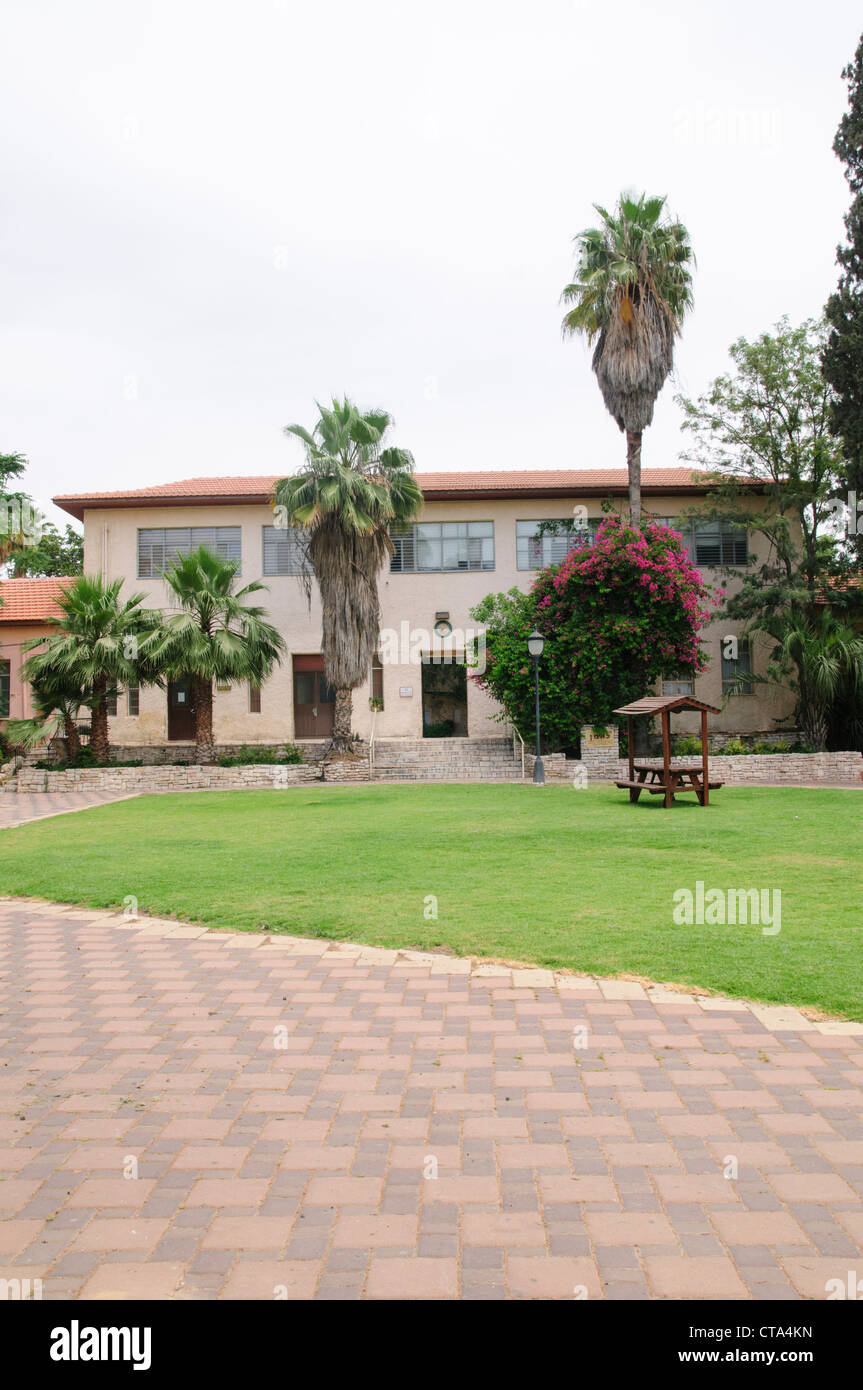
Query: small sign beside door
point(406, 690)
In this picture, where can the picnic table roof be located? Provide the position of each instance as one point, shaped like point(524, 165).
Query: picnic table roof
point(655, 704)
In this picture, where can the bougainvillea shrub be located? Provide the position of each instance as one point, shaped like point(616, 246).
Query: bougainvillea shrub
point(617, 615)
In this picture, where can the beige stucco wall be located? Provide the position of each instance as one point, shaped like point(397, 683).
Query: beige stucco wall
point(111, 546)
point(13, 637)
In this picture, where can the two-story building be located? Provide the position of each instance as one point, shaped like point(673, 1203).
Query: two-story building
point(477, 534)
point(28, 611)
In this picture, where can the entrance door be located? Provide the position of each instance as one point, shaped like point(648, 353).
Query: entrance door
point(181, 711)
point(444, 687)
point(314, 698)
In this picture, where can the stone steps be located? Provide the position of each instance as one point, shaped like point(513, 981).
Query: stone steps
point(446, 760)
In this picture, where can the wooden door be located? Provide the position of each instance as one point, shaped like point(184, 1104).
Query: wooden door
point(181, 711)
point(314, 698)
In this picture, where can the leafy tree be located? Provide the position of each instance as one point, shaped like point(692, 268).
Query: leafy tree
point(11, 466)
point(616, 615)
point(52, 553)
point(632, 289)
point(843, 352)
point(95, 647)
point(768, 422)
point(351, 490)
point(216, 635)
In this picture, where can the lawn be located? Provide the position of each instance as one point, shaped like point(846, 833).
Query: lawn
point(564, 878)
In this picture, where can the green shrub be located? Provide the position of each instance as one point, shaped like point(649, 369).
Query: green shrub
point(249, 756)
point(735, 747)
point(84, 759)
point(684, 745)
point(442, 729)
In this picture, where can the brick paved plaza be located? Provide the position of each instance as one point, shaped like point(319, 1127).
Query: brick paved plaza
point(287, 1104)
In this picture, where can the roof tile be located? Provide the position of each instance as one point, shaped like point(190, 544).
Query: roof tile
point(30, 600)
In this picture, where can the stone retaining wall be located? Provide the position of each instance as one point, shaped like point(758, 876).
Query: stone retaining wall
point(744, 770)
point(166, 779)
point(764, 768)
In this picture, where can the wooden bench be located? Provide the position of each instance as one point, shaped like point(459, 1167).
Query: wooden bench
point(685, 783)
point(659, 787)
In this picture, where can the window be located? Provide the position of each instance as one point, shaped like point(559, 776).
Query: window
point(733, 668)
point(5, 671)
point(536, 552)
point(716, 543)
point(159, 547)
point(674, 687)
point(443, 545)
point(284, 552)
point(377, 682)
point(254, 698)
point(111, 703)
point(133, 701)
point(710, 542)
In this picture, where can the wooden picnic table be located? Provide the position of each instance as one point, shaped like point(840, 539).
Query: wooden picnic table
point(666, 780)
point(652, 778)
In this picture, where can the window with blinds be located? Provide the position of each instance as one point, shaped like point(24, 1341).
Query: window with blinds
point(710, 543)
point(431, 546)
point(535, 552)
point(133, 700)
point(284, 551)
point(159, 547)
point(673, 687)
point(717, 543)
point(736, 669)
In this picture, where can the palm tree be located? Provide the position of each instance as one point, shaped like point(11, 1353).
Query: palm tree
point(350, 492)
point(827, 657)
point(56, 702)
point(216, 635)
point(96, 648)
point(632, 288)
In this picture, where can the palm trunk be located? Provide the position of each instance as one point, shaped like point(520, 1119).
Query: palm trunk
point(99, 722)
point(342, 712)
point(73, 738)
point(633, 464)
point(205, 748)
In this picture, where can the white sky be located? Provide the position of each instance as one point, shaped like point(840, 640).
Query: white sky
point(214, 212)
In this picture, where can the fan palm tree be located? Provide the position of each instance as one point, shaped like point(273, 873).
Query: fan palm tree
point(351, 490)
point(826, 658)
point(56, 702)
point(216, 635)
point(95, 648)
point(632, 288)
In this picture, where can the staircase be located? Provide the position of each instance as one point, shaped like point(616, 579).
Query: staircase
point(446, 760)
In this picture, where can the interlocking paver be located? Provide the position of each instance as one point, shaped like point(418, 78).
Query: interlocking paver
point(188, 1114)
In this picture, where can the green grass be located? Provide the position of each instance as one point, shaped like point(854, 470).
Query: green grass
point(564, 878)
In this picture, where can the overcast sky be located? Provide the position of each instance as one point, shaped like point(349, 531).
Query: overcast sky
point(215, 212)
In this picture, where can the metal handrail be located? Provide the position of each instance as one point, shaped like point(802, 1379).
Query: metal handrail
point(372, 747)
point(517, 735)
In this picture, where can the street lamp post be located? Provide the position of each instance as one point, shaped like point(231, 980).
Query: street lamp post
point(535, 644)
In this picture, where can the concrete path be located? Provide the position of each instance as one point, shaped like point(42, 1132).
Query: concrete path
point(17, 808)
point(195, 1115)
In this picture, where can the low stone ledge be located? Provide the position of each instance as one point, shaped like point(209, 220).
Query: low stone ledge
point(750, 769)
point(166, 779)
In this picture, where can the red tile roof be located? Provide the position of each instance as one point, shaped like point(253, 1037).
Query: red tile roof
point(522, 482)
point(30, 600)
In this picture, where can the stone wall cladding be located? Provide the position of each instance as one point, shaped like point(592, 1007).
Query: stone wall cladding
point(771, 769)
point(164, 779)
point(418, 762)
